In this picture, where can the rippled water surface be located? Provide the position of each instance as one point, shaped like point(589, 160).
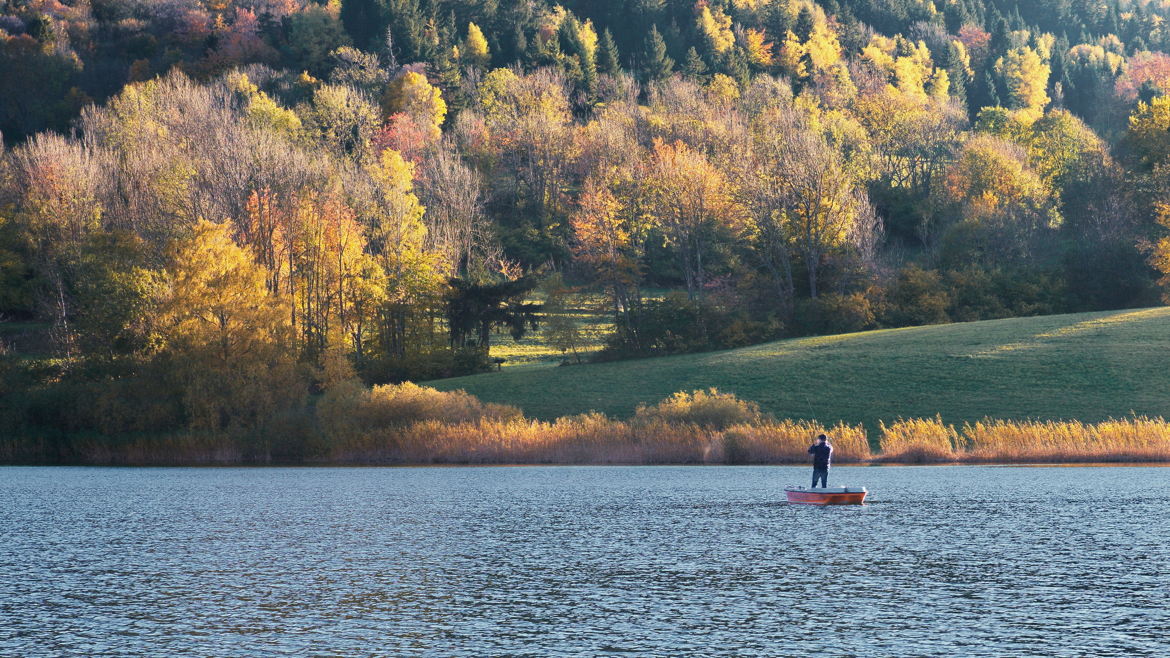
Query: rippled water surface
point(582, 561)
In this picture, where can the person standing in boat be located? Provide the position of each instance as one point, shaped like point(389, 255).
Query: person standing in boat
point(822, 454)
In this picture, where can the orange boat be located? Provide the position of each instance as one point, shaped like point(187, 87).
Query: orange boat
point(826, 496)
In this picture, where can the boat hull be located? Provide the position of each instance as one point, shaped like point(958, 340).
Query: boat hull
point(839, 496)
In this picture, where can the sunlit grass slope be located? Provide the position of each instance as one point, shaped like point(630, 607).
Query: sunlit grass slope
point(593, 321)
point(1087, 366)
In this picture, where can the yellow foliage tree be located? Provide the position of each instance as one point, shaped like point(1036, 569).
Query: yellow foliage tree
point(1160, 249)
point(413, 274)
point(715, 26)
point(229, 340)
point(494, 90)
point(758, 49)
point(603, 238)
point(412, 94)
point(1026, 77)
point(397, 224)
point(723, 90)
point(475, 48)
point(1149, 131)
point(998, 196)
point(791, 56)
point(692, 203)
point(262, 110)
point(823, 47)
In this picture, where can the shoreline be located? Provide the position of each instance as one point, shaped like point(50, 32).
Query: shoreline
point(866, 464)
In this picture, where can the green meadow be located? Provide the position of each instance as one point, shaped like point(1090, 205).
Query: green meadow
point(1086, 366)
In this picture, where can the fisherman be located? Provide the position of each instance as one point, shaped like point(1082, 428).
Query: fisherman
point(822, 454)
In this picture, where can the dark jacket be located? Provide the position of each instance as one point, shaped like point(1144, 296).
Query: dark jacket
point(822, 455)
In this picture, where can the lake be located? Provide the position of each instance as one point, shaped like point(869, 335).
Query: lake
point(583, 561)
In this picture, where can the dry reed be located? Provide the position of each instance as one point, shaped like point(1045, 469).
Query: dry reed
point(703, 427)
point(410, 424)
point(1134, 439)
point(918, 441)
point(787, 442)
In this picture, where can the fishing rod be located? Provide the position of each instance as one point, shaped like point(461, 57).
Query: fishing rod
point(808, 403)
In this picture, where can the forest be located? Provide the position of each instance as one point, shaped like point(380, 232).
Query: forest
point(214, 214)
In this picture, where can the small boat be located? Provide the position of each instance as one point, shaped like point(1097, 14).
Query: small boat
point(826, 496)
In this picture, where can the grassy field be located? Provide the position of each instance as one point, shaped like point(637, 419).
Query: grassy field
point(594, 321)
point(1087, 366)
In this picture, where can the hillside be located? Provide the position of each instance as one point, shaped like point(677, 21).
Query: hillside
point(211, 212)
point(1086, 366)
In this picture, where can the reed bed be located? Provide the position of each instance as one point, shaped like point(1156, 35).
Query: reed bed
point(596, 439)
point(919, 441)
point(409, 424)
point(787, 442)
point(1137, 439)
point(702, 427)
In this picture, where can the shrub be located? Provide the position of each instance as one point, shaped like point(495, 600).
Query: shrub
point(349, 411)
point(402, 404)
point(918, 297)
point(973, 295)
point(709, 409)
point(433, 364)
point(835, 313)
point(672, 325)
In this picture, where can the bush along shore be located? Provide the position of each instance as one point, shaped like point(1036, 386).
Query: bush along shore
point(407, 424)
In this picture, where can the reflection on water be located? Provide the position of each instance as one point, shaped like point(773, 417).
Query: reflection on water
point(582, 561)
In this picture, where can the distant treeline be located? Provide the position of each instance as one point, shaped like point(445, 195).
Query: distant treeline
point(407, 424)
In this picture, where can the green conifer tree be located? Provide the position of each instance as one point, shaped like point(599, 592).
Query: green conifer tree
point(608, 60)
point(656, 64)
point(694, 67)
point(778, 20)
point(805, 24)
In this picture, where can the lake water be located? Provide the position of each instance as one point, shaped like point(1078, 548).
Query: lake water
point(582, 561)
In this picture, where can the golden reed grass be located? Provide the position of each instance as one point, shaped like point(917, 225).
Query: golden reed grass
point(410, 424)
point(702, 427)
point(918, 441)
point(596, 439)
point(1136, 439)
point(929, 440)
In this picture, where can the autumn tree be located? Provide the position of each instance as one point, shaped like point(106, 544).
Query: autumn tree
point(604, 239)
point(457, 227)
point(693, 207)
point(398, 242)
point(64, 187)
point(475, 47)
point(999, 203)
point(410, 93)
point(343, 118)
point(1148, 136)
point(228, 339)
point(803, 198)
point(533, 140)
point(1026, 78)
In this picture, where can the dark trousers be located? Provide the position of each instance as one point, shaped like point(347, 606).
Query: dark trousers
point(821, 474)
